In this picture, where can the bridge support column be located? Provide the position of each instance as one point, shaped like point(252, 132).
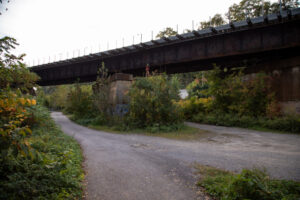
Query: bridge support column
point(286, 83)
point(119, 88)
point(285, 73)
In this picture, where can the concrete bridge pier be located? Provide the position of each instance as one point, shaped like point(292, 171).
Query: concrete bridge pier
point(120, 84)
point(286, 83)
point(285, 73)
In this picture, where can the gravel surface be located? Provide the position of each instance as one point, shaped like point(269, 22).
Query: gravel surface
point(136, 167)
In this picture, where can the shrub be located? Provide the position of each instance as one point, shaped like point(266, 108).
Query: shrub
point(232, 93)
point(15, 122)
point(79, 102)
point(101, 91)
point(58, 98)
point(16, 81)
point(197, 89)
point(238, 100)
point(249, 184)
point(151, 102)
point(194, 105)
point(13, 73)
point(89, 103)
point(285, 124)
point(53, 172)
point(36, 160)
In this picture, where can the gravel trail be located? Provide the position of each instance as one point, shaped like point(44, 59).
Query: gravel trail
point(137, 167)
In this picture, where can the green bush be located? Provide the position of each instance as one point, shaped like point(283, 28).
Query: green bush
point(52, 170)
point(233, 94)
point(37, 161)
point(238, 100)
point(285, 124)
point(193, 106)
point(80, 102)
point(249, 184)
point(197, 89)
point(152, 102)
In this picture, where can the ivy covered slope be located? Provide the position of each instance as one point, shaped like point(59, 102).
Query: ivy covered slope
point(37, 161)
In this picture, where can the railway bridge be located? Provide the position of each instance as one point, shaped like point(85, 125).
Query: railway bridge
point(268, 43)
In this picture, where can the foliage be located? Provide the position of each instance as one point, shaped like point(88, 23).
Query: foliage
point(151, 102)
point(54, 97)
point(194, 105)
point(36, 160)
point(232, 93)
point(186, 78)
point(101, 91)
point(234, 99)
point(15, 115)
point(238, 12)
point(166, 33)
point(79, 101)
point(249, 184)
point(54, 171)
point(285, 123)
point(197, 89)
point(89, 103)
point(217, 20)
point(14, 73)
point(253, 8)
point(15, 106)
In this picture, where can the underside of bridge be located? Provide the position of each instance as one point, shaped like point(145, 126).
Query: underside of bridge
point(260, 44)
point(270, 44)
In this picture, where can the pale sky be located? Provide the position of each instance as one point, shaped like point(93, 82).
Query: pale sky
point(59, 28)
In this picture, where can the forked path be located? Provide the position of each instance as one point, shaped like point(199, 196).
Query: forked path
point(136, 167)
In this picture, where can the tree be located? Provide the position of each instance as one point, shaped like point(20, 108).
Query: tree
point(16, 115)
point(14, 73)
point(217, 20)
point(253, 8)
point(101, 91)
point(152, 102)
point(166, 33)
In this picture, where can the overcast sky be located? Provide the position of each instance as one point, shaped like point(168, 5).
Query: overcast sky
point(59, 28)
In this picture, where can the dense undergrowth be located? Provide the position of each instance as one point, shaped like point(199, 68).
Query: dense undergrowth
point(225, 97)
point(286, 124)
point(37, 161)
point(230, 98)
point(249, 184)
point(152, 104)
point(51, 171)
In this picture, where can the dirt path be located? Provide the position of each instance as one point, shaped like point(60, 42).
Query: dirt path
point(121, 167)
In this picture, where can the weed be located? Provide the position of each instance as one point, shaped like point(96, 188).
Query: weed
point(249, 184)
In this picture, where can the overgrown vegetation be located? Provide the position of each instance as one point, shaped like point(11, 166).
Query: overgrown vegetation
point(249, 184)
point(37, 161)
point(230, 98)
point(50, 169)
point(152, 104)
